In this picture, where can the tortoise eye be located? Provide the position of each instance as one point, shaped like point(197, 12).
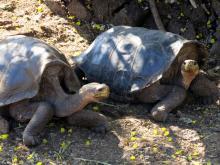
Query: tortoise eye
point(184, 63)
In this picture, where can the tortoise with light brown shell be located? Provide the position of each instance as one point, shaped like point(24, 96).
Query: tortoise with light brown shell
point(147, 66)
point(36, 83)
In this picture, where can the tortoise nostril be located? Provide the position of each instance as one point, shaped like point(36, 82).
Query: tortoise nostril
point(100, 89)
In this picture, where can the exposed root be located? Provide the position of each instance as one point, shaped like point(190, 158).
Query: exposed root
point(156, 15)
point(193, 3)
point(205, 9)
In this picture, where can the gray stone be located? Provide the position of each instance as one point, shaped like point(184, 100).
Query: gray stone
point(56, 6)
point(77, 9)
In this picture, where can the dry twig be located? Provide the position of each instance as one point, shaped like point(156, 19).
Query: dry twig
point(156, 15)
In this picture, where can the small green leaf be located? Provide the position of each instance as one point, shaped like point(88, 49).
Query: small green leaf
point(133, 133)
point(4, 136)
point(88, 142)
point(39, 163)
point(166, 133)
point(208, 163)
point(132, 157)
point(155, 131)
point(155, 149)
point(71, 17)
point(30, 157)
point(135, 146)
point(189, 157)
point(78, 23)
point(62, 130)
point(169, 139)
point(45, 141)
point(140, 1)
point(182, 14)
point(70, 130)
point(179, 152)
point(40, 9)
point(133, 138)
point(95, 108)
point(212, 41)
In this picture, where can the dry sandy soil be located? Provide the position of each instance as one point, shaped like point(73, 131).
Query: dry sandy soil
point(191, 136)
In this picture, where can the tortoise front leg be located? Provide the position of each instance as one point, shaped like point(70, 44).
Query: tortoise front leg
point(161, 110)
point(89, 119)
point(39, 115)
point(4, 125)
point(204, 89)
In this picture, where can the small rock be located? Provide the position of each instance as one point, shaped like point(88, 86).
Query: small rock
point(77, 9)
point(7, 7)
point(186, 120)
point(5, 22)
point(131, 15)
point(119, 12)
point(105, 10)
point(56, 6)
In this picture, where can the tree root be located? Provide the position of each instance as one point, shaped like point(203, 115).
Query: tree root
point(193, 3)
point(156, 15)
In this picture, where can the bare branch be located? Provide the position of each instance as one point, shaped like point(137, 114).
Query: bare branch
point(193, 3)
point(156, 15)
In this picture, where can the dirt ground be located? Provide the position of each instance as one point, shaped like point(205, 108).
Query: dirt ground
point(191, 136)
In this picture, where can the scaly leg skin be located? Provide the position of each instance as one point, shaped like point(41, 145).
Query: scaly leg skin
point(4, 125)
point(39, 115)
point(161, 110)
point(204, 89)
point(89, 119)
point(153, 93)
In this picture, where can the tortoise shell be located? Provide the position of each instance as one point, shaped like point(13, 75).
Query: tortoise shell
point(22, 64)
point(129, 59)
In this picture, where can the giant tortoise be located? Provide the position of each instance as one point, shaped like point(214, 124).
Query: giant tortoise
point(36, 82)
point(147, 66)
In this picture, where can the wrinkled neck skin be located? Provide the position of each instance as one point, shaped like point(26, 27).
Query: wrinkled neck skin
point(70, 104)
point(184, 80)
point(64, 104)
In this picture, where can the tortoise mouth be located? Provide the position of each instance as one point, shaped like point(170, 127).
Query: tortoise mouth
point(190, 66)
point(103, 93)
point(189, 70)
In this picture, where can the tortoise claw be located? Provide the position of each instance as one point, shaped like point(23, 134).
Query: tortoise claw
point(30, 140)
point(159, 115)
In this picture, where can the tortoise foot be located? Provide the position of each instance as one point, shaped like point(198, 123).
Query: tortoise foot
point(102, 129)
point(4, 126)
point(208, 100)
point(30, 140)
point(159, 115)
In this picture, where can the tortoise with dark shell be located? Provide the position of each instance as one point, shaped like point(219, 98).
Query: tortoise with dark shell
point(36, 83)
point(148, 66)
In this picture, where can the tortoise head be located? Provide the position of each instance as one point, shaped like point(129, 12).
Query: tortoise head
point(95, 91)
point(189, 70)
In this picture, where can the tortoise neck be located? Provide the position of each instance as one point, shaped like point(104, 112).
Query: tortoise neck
point(70, 104)
point(185, 79)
